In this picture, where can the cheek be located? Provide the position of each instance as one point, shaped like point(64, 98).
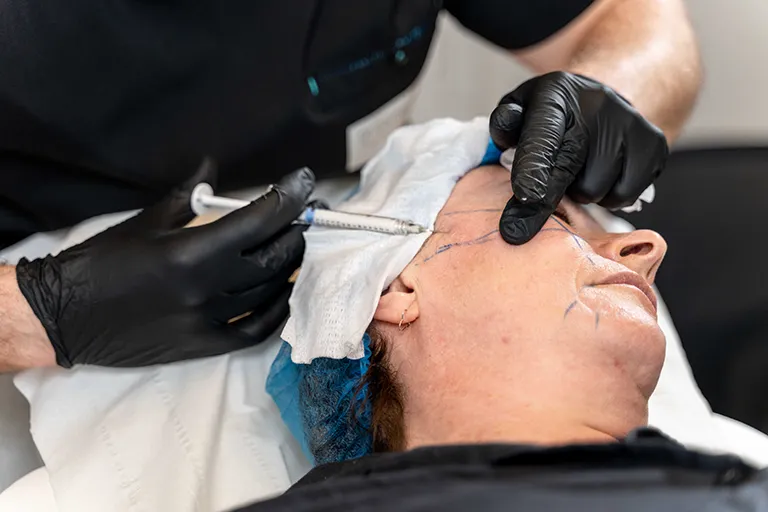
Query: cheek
point(623, 332)
point(503, 291)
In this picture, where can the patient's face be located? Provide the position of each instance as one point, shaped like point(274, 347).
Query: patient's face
point(568, 319)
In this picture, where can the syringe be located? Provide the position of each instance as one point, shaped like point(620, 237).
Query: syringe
point(203, 199)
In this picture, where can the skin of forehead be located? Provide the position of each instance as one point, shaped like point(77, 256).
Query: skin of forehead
point(582, 221)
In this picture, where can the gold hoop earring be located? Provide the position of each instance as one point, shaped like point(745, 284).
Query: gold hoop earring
point(402, 319)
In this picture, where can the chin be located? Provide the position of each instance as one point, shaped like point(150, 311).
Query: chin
point(656, 339)
point(651, 353)
point(639, 344)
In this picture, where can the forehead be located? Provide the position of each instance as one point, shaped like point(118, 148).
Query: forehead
point(487, 186)
point(487, 189)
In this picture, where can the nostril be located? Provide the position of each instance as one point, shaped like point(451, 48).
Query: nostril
point(636, 249)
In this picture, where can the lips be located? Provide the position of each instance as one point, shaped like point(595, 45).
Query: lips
point(632, 279)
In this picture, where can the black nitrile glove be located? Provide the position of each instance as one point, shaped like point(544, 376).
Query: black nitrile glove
point(149, 291)
point(573, 135)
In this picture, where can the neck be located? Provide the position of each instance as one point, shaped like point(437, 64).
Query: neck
point(522, 424)
point(525, 398)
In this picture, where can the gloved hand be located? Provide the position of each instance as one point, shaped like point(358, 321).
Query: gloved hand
point(577, 135)
point(148, 291)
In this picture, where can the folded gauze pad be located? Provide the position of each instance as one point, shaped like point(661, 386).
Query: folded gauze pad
point(344, 271)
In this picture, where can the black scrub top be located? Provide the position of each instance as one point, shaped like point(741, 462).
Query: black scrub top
point(105, 105)
point(645, 472)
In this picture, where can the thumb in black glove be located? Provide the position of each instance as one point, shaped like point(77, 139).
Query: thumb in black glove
point(149, 291)
point(573, 135)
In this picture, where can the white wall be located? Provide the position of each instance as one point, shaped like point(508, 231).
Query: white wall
point(733, 36)
point(466, 76)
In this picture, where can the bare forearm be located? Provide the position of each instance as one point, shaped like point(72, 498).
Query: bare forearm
point(644, 49)
point(23, 341)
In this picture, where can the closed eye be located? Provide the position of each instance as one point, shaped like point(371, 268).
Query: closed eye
point(561, 214)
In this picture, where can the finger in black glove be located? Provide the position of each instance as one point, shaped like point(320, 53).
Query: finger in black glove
point(149, 291)
point(573, 135)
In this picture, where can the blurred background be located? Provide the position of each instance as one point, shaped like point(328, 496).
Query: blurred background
point(710, 202)
point(732, 109)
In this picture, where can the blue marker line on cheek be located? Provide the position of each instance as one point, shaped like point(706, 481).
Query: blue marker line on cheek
point(569, 308)
point(597, 319)
point(573, 235)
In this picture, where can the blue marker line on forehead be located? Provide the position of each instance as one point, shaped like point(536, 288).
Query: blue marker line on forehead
point(475, 241)
point(479, 210)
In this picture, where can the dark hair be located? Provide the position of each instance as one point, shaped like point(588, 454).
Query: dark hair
point(385, 396)
point(347, 408)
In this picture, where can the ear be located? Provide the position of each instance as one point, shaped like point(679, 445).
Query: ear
point(397, 304)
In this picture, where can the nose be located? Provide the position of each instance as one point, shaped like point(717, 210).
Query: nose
point(641, 251)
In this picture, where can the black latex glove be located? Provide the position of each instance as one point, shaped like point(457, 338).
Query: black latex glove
point(149, 291)
point(577, 135)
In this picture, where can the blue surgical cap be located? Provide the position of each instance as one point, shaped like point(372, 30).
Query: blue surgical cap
point(492, 154)
point(323, 404)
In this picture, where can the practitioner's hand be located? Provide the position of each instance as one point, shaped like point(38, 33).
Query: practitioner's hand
point(577, 135)
point(149, 291)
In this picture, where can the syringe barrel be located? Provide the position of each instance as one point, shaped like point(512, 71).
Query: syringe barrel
point(343, 220)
